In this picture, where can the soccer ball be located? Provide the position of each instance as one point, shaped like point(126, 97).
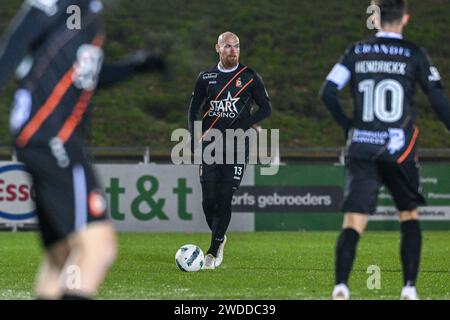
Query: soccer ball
point(189, 258)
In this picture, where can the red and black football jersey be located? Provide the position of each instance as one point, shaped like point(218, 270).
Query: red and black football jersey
point(223, 99)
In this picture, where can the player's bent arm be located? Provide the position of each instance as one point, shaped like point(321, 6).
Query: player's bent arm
point(262, 100)
point(440, 104)
point(197, 100)
point(430, 81)
point(329, 95)
point(27, 27)
point(140, 62)
point(113, 73)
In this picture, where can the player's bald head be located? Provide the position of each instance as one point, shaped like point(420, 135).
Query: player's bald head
point(227, 36)
point(228, 49)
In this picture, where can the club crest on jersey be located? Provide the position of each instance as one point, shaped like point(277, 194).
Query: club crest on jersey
point(225, 108)
point(239, 83)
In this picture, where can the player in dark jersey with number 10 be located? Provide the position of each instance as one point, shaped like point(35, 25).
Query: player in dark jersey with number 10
point(382, 136)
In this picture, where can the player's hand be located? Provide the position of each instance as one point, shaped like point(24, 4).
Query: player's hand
point(146, 61)
point(257, 128)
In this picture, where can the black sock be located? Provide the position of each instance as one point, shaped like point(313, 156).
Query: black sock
point(410, 247)
point(73, 296)
point(222, 216)
point(209, 202)
point(345, 254)
point(221, 222)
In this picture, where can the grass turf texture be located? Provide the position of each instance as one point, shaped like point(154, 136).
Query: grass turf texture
point(262, 265)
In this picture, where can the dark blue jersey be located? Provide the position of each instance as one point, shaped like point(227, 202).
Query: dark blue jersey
point(383, 73)
point(57, 58)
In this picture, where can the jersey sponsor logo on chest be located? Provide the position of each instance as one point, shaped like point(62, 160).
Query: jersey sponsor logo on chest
point(226, 108)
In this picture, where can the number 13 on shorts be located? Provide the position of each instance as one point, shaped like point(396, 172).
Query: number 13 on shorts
point(238, 171)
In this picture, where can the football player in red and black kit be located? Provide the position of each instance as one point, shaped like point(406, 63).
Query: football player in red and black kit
point(382, 136)
point(58, 69)
point(222, 99)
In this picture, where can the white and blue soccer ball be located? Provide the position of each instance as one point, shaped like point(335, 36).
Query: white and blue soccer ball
point(190, 258)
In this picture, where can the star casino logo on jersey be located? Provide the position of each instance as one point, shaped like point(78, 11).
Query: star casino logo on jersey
point(225, 108)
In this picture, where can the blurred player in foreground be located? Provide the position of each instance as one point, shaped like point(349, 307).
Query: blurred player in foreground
point(58, 68)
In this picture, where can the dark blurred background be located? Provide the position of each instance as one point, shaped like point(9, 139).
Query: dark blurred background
point(292, 44)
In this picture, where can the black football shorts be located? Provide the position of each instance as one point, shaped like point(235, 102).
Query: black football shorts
point(67, 193)
point(364, 179)
point(223, 173)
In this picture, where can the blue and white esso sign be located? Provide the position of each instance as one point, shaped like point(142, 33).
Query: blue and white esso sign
point(16, 189)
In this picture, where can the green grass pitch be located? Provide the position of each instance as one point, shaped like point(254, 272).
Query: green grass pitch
point(261, 265)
